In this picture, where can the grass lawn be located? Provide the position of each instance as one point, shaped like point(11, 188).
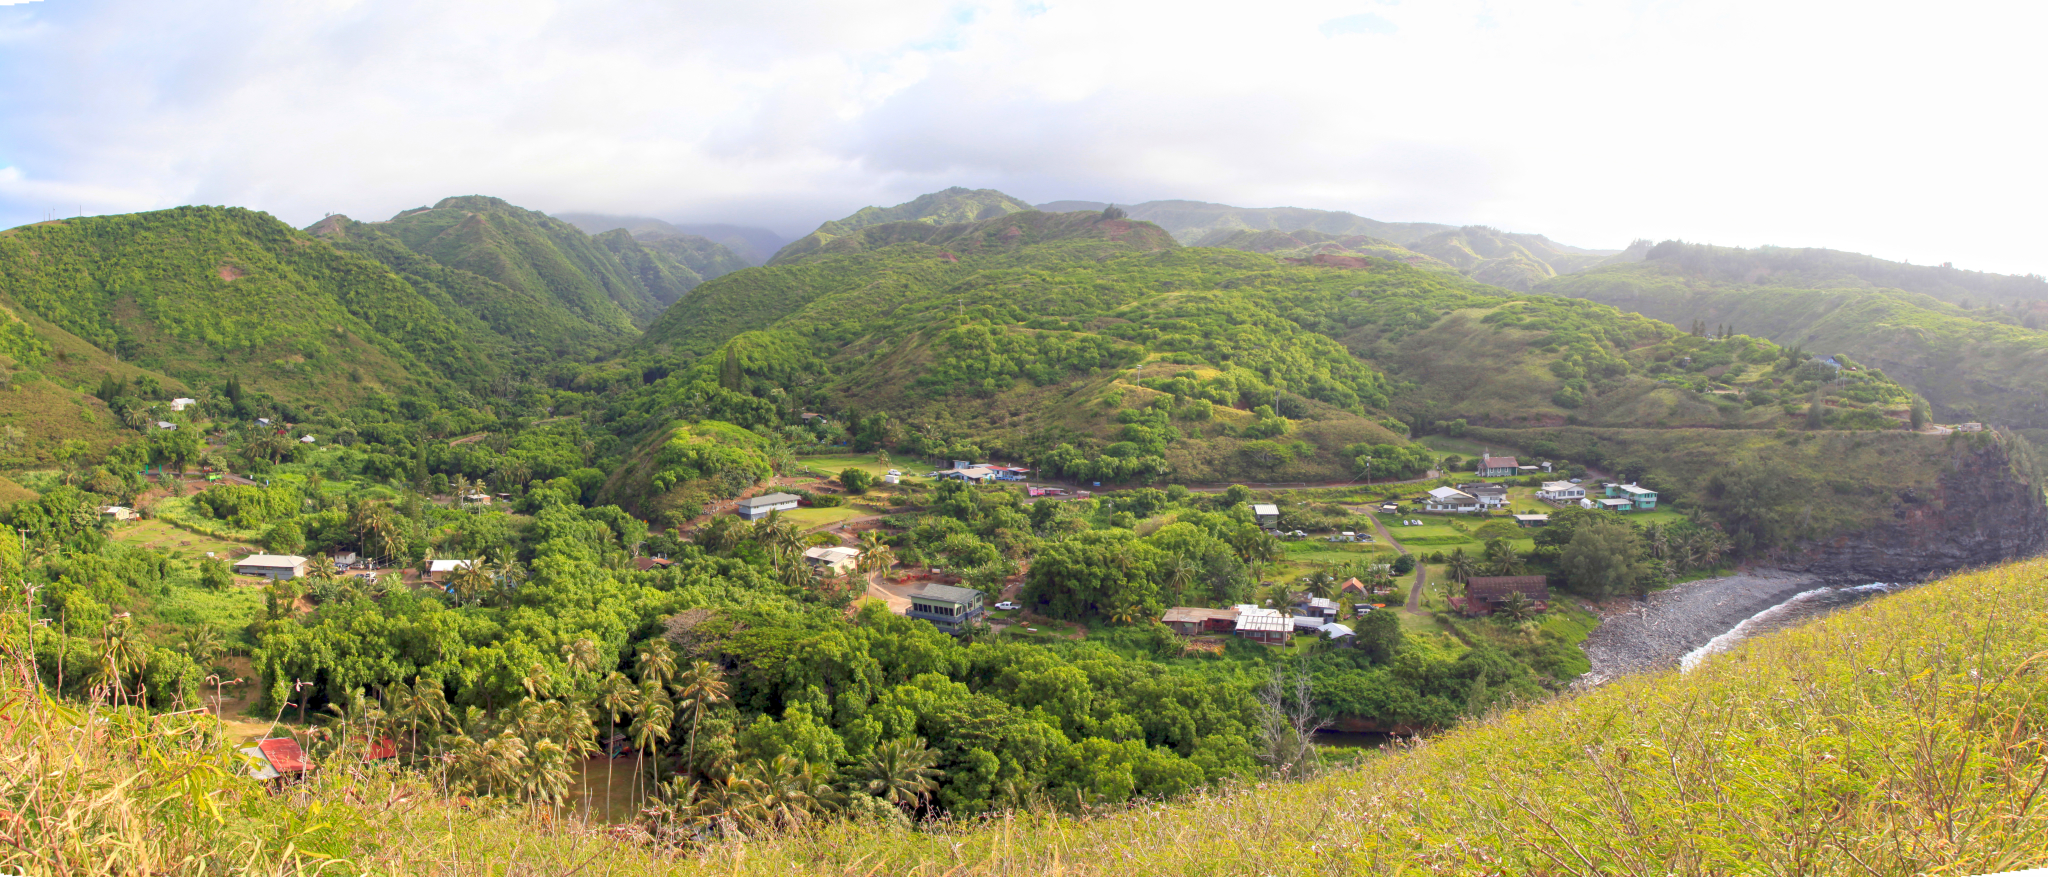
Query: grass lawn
point(160, 535)
point(822, 517)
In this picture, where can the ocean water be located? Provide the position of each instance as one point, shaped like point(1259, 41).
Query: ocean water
point(1803, 606)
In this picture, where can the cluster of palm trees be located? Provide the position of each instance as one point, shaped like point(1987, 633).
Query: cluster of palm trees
point(1499, 559)
point(1683, 548)
point(784, 792)
point(123, 657)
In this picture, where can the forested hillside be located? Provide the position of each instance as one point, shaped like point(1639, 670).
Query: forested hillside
point(1191, 221)
point(1982, 363)
point(751, 246)
point(951, 207)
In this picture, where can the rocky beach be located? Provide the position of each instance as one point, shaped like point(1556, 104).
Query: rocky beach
point(1656, 633)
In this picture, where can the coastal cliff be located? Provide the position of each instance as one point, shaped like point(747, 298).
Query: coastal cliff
point(1986, 508)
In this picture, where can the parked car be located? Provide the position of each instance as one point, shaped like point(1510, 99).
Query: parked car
point(1007, 605)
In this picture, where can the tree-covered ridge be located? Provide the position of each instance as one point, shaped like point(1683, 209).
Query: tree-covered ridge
point(947, 207)
point(704, 257)
point(181, 290)
point(747, 245)
point(1504, 259)
point(1009, 232)
point(532, 252)
point(1192, 221)
point(1310, 246)
point(1817, 268)
point(1983, 364)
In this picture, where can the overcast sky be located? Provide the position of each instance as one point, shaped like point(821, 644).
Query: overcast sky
point(1905, 131)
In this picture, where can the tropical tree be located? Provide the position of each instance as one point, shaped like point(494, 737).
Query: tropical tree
point(900, 771)
point(701, 685)
point(1460, 565)
point(615, 697)
point(650, 726)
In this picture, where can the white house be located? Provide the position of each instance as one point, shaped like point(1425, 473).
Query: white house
point(1561, 492)
point(1265, 513)
point(181, 403)
point(833, 559)
point(277, 567)
point(444, 567)
point(1490, 495)
point(118, 513)
point(1450, 499)
point(756, 508)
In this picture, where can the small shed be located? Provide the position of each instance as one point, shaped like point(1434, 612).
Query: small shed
point(1532, 521)
point(277, 758)
point(118, 513)
point(181, 403)
point(447, 567)
point(1266, 513)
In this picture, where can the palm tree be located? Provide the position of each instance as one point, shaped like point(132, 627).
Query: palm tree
point(651, 726)
point(537, 681)
point(875, 554)
point(204, 645)
point(1179, 573)
point(1517, 607)
point(615, 696)
point(900, 771)
point(657, 662)
point(420, 702)
point(1460, 565)
point(702, 685)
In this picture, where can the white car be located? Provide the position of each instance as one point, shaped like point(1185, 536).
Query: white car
point(1007, 605)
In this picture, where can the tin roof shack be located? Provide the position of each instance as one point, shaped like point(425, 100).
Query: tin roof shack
point(276, 567)
point(1266, 514)
point(118, 513)
point(438, 570)
point(758, 507)
point(952, 609)
point(1264, 625)
point(277, 758)
point(1483, 594)
point(1191, 620)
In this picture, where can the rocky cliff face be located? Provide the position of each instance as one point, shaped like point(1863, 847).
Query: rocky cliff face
point(1985, 510)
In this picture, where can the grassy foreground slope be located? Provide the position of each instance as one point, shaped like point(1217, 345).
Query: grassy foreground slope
point(1903, 736)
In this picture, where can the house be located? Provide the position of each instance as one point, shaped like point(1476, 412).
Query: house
point(1972, 426)
point(276, 567)
point(165, 424)
point(1492, 467)
point(951, 609)
point(476, 499)
point(1263, 625)
point(277, 758)
point(306, 439)
point(447, 567)
point(1319, 607)
point(1560, 492)
point(1309, 623)
point(893, 476)
point(1265, 514)
point(1490, 495)
point(1191, 620)
point(1532, 521)
point(118, 513)
point(756, 508)
point(346, 561)
point(1352, 587)
point(970, 474)
point(644, 564)
point(1336, 631)
point(1483, 594)
point(1448, 499)
point(1615, 505)
point(832, 559)
point(962, 464)
point(1640, 498)
point(181, 403)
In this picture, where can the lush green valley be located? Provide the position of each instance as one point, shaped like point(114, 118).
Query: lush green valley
point(554, 608)
point(1972, 364)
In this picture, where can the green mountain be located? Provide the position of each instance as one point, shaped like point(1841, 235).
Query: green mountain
point(531, 252)
point(1082, 344)
point(1191, 221)
point(952, 206)
point(752, 246)
point(1514, 261)
point(1981, 364)
point(197, 293)
point(1306, 246)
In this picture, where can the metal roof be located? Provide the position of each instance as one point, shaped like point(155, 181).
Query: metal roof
point(1264, 621)
point(1195, 614)
point(271, 560)
point(947, 593)
point(768, 499)
point(1265, 508)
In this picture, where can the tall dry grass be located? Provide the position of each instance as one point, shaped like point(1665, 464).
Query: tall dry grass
point(1904, 736)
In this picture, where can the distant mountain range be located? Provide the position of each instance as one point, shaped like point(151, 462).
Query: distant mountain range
point(752, 246)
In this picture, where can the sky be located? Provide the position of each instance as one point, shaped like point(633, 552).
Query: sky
point(1903, 131)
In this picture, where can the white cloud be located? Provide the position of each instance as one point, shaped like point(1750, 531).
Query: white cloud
point(1895, 130)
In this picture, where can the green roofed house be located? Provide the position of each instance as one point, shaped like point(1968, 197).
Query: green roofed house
point(952, 609)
